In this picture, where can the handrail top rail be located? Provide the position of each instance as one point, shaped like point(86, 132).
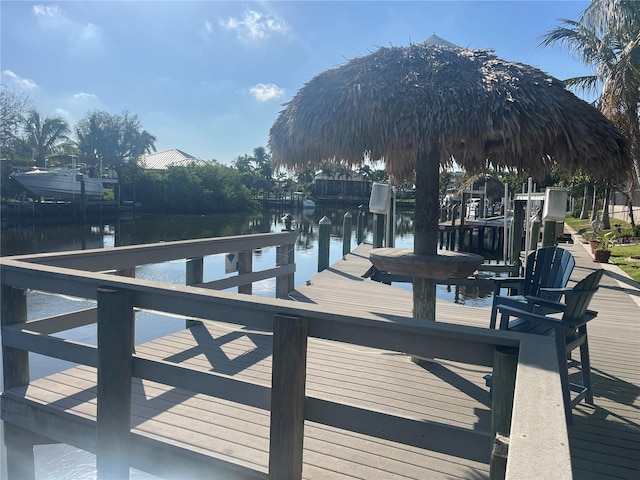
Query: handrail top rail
point(100, 259)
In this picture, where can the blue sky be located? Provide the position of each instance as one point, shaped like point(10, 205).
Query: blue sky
point(210, 77)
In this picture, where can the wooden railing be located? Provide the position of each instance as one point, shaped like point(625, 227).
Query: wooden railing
point(124, 260)
point(537, 427)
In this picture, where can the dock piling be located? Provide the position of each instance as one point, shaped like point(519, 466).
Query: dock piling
point(324, 236)
point(346, 233)
point(360, 224)
point(378, 230)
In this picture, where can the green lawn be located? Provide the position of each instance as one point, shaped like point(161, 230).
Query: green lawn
point(620, 254)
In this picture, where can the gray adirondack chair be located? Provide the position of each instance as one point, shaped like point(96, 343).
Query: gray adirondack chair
point(570, 332)
point(547, 268)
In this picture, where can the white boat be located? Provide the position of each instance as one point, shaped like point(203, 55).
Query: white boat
point(308, 204)
point(59, 182)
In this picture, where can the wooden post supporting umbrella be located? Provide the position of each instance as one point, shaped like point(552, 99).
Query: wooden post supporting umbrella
point(425, 106)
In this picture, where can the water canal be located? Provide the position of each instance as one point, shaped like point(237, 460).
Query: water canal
point(60, 461)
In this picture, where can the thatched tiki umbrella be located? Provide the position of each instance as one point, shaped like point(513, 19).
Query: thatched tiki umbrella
point(422, 106)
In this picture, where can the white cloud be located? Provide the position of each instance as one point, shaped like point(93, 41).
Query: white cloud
point(25, 83)
point(255, 25)
point(80, 36)
point(263, 92)
point(61, 112)
point(84, 95)
point(208, 26)
point(48, 12)
point(91, 33)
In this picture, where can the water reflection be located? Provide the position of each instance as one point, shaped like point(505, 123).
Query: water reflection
point(27, 239)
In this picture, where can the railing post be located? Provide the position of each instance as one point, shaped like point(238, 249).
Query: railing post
point(15, 373)
point(378, 230)
point(284, 283)
point(291, 254)
point(287, 397)
point(194, 276)
point(391, 221)
point(115, 344)
point(346, 233)
point(324, 236)
point(360, 225)
point(549, 233)
point(517, 223)
point(245, 265)
point(503, 386)
point(16, 362)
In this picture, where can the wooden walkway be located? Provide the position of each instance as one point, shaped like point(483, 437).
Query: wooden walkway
point(605, 440)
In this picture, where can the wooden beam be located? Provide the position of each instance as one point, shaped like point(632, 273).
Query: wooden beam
point(283, 281)
point(249, 278)
point(245, 266)
point(66, 321)
point(288, 377)
point(209, 383)
point(433, 436)
point(115, 344)
point(538, 444)
point(61, 348)
point(120, 258)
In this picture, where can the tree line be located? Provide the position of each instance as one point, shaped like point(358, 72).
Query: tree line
point(106, 142)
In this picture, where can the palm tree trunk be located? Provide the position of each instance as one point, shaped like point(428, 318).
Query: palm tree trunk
point(583, 213)
point(632, 220)
point(606, 224)
point(594, 211)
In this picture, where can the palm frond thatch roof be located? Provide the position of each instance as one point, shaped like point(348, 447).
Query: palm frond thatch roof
point(399, 103)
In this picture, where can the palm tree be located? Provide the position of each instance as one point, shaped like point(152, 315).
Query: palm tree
point(328, 172)
point(607, 37)
point(44, 137)
point(366, 173)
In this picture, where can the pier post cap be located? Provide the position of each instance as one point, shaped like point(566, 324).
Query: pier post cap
point(324, 221)
point(348, 215)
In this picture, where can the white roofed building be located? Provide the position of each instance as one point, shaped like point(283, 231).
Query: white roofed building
point(168, 158)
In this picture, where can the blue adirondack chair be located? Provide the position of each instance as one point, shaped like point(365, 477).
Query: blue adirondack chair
point(546, 268)
point(570, 332)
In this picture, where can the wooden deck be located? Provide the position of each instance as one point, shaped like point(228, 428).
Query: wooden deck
point(604, 441)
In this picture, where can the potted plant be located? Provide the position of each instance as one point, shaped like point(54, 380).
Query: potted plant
point(603, 251)
point(594, 243)
point(593, 239)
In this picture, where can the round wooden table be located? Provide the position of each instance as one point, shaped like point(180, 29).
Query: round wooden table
point(443, 266)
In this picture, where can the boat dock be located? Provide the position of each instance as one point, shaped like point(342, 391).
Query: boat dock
point(316, 384)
